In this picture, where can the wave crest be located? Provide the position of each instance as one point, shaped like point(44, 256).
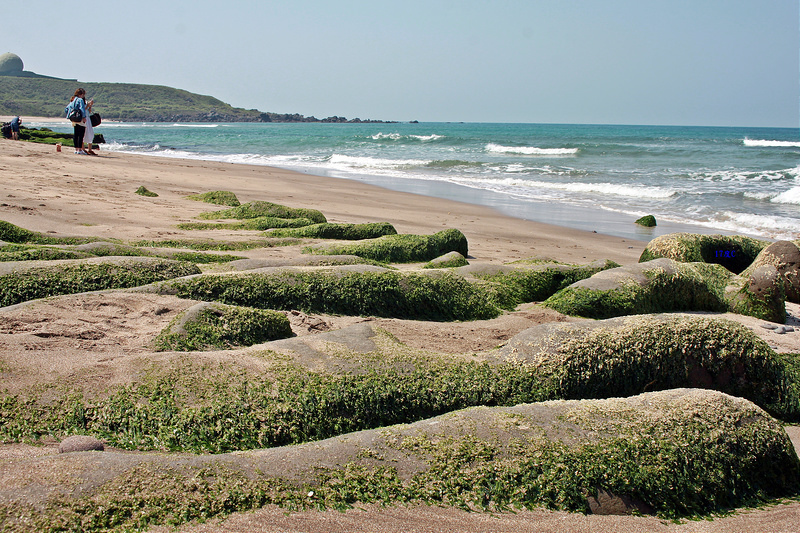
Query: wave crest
point(792, 196)
point(773, 144)
point(529, 150)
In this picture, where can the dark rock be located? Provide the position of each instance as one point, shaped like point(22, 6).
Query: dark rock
point(607, 503)
point(80, 443)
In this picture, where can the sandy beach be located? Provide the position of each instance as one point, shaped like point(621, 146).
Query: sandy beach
point(63, 194)
point(92, 196)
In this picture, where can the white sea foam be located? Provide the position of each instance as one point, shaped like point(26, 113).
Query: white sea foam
point(759, 195)
point(529, 150)
point(177, 125)
point(768, 143)
point(425, 138)
point(615, 189)
point(373, 162)
point(398, 136)
point(769, 225)
point(792, 196)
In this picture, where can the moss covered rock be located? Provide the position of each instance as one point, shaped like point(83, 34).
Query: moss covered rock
point(523, 282)
point(266, 209)
point(683, 453)
point(660, 285)
point(648, 221)
point(758, 292)
point(24, 252)
point(448, 260)
point(11, 233)
point(257, 223)
point(629, 355)
point(347, 232)
point(734, 252)
point(143, 191)
point(214, 326)
point(23, 281)
point(405, 248)
point(340, 290)
point(217, 197)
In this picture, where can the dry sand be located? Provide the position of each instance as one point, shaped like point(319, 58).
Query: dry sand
point(65, 194)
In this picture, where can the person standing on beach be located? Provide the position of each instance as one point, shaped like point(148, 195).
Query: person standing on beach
point(88, 135)
point(78, 101)
point(15, 124)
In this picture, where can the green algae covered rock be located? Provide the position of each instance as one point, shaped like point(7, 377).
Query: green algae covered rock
point(759, 292)
point(357, 290)
point(217, 197)
point(648, 221)
point(23, 281)
point(347, 232)
point(628, 355)
point(657, 286)
point(405, 248)
point(734, 252)
point(448, 260)
point(266, 209)
point(214, 326)
point(257, 223)
point(523, 282)
point(674, 452)
point(143, 191)
point(13, 234)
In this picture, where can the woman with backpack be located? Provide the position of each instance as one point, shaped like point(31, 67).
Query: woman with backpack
point(78, 113)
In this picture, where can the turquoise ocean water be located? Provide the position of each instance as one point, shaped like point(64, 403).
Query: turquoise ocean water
point(592, 177)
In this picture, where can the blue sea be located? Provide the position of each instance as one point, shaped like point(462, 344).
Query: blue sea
point(591, 177)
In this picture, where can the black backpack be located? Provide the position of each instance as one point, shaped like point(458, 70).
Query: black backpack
point(7, 130)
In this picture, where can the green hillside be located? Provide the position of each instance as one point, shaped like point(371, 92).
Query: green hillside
point(130, 102)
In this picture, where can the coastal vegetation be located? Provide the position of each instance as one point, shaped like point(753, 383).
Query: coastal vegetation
point(132, 102)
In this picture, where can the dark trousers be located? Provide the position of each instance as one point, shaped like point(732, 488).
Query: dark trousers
point(77, 137)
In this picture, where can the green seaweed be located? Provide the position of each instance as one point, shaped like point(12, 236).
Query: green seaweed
point(265, 209)
point(16, 235)
point(349, 232)
point(40, 282)
point(694, 287)
point(217, 197)
point(387, 294)
point(524, 285)
point(404, 248)
point(258, 223)
point(223, 327)
point(648, 221)
point(143, 191)
point(449, 260)
point(734, 252)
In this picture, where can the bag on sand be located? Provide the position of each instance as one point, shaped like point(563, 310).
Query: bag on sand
point(95, 118)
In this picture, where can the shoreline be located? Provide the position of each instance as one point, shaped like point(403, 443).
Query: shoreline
point(111, 211)
point(614, 218)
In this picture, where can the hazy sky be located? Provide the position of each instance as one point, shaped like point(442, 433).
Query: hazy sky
point(688, 62)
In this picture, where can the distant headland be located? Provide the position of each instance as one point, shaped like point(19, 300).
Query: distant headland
point(31, 94)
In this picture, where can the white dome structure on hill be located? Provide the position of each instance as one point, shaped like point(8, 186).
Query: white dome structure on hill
point(10, 63)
